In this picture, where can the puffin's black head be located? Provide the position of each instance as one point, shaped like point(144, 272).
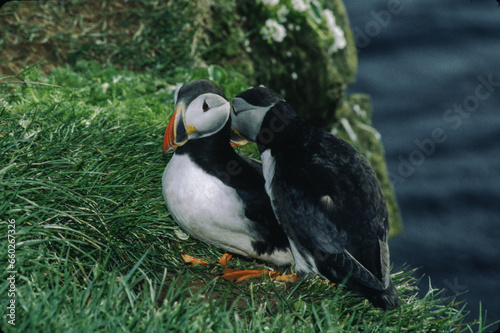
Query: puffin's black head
point(260, 96)
point(189, 91)
point(201, 109)
point(249, 109)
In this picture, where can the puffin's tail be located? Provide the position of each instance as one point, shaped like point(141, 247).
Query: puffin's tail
point(386, 299)
point(359, 279)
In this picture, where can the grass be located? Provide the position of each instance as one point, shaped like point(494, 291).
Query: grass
point(96, 249)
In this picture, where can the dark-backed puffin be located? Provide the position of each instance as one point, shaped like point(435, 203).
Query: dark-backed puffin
point(324, 194)
point(214, 194)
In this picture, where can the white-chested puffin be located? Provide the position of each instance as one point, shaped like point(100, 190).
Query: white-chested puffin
point(324, 194)
point(214, 194)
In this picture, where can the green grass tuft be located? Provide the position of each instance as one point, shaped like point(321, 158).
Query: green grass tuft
point(96, 249)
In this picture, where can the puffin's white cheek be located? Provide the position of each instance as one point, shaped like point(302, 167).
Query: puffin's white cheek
point(208, 123)
point(250, 124)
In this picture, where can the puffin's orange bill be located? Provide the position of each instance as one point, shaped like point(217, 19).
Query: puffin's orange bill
point(237, 139)
point(176, 134)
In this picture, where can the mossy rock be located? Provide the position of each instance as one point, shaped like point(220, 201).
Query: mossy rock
point(299, 67)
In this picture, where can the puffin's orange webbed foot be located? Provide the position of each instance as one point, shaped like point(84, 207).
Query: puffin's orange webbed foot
point(192, 261)
point(224, 259)
point(238, 275)
point(289, 278)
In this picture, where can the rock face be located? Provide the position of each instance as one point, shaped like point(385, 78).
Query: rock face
point(304, 50)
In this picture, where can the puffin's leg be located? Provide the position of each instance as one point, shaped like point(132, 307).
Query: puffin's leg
point(192, 261)
point(238, 275)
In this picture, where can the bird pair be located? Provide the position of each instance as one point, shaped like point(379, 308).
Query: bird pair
point(314, 200)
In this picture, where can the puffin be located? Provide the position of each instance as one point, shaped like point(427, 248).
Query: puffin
point(214, 194)
point(324, 194)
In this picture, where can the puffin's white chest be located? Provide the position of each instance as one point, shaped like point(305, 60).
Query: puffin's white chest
point(205, 207)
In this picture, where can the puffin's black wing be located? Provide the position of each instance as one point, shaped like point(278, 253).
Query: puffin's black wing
point(249, 184)
point(255, 164)
point(331, 206)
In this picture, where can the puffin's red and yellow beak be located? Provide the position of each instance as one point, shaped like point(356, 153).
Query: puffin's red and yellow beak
point(237, 139)
point(176, 134)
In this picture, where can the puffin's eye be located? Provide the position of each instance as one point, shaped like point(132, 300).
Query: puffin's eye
point(205, 106)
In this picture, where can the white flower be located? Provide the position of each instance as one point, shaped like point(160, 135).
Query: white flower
point(329, 18)
point(273, 30)
point(104, 87)
point(337, 32)
point(119, 77)
point(340, 41)
point(270, 3)
point(282, 13)
point(294, 76)
point(300, 5)
point(293, 27)
point(246, 43)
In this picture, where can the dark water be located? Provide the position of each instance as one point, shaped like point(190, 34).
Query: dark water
point(425, 65)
